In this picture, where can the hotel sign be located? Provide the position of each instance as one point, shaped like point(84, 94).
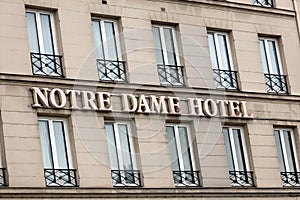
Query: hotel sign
point(147, 104)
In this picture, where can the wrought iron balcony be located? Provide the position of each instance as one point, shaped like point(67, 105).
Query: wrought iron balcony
point(264, 3)
point(111, 70)
point(126, 178)
point(290, 178)
point(3, 177)
point(186, 178)
point(226, 79)
point(276, 83)
point(46, 64)
point(241, 178)
point(170, 74)
point(60, 177)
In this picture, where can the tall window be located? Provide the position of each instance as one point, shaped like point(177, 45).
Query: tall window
point(3, 171)
point(275, 80)
point(182, 156)
point(236, 151)
point(122, 154)
point(45, 59)
point(109, 59)
point(287, 155)
point(56, 150)
point(265, 3)
point(168, 63)
point(220, 55)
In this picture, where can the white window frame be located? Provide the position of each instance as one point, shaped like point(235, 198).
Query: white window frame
point(283, 148)
point(53, 144)
point(119, 149)
point(179, 150)
point(163, 43)
point(269, 63)
point(52, 138)
point(104, 42)
point(217, 48)
point(39, 29)
point(104, 36)
point(234, 152)
point(164, 49)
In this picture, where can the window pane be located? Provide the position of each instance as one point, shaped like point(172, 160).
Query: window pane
point(228, 149)
point(158, 47)
point(224, 52)
point(264, 56)
point(47, 34)
point(125, 147)
point(170, 46)
point(60, 143)
point(32, 32)
point(212, 51)
point(279, 150)
point(112, 149)
point(290, 159)
point(173, 148)
point(111, 41)
point(45, 144)
point(185, 148)
point(240, 165)
point(273, 57)
point(98, 39)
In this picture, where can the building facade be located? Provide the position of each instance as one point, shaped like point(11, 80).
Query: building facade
point(149, 99)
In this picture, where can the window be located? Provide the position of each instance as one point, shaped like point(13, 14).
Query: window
point(287, 155)
point(168, 63)
point(264, 3)
point(122, 154)
point(236, 151)
point(45, 59)
point(108, 53)
point(182, 157)
point(3, 171)
point(220, 55)
point(56, 150)
point(275, 80)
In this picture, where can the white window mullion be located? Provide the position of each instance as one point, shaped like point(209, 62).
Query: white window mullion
point(179, 150)
point(235, 161)
point(285, 154)
point(163, 44)
point(268, 56)
point(244, 149)
point(294, 149)
point(217, 45)
point(53, 145)
point(118, 147)
point(175, 47)
point(131, 146)
point(104, 40)
point(40, 32)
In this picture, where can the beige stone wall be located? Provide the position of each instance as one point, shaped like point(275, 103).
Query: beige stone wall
point(243, 22)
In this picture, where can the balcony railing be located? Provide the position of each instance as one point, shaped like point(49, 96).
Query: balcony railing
point(186, 178)
point(290, 178)
point(46, 64)
point(241, 178)
point(170, 74)
point(3, 177)
point(226, 79)
point(111, 70)
point(60, 177)
point(126, 178)
point(276, 83)
point(264, 3)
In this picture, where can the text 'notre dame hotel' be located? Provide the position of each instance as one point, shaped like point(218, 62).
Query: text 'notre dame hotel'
point(150, 99)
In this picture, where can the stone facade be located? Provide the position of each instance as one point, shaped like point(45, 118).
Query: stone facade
point(192, 19)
